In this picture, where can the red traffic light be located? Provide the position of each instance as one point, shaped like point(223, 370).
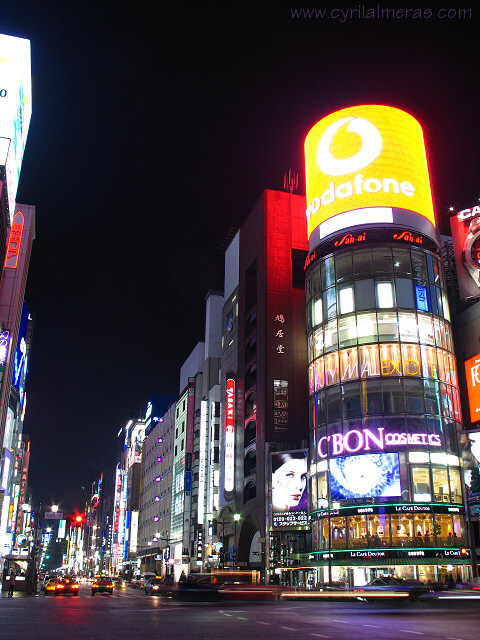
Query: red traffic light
point(463, 551)
point(78, 519)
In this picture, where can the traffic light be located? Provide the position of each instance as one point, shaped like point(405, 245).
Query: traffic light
point(78, 519)
point(463, 551)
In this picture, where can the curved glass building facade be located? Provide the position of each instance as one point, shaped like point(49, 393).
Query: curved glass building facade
point(385, 415)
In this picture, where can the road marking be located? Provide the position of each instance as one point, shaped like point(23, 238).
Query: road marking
point(418, 633)
point(374, 626)
point(342, 621)
point(229, 615)
point(288, 628)
point(260, 622)
point(240, 618)
point(454, 638)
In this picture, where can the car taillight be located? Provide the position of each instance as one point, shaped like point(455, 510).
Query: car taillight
point(155, 587)
point(75, 586)
point(95, 584)
point(59, 586)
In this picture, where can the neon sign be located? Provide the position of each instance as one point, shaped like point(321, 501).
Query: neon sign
point(349, 238)
point(15, 241)
point(408, 236)
point(230, 436)
point(360, 440)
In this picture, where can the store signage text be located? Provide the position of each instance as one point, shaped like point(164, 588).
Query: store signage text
point(362, 440)
point(466, 214)
point(229, 435)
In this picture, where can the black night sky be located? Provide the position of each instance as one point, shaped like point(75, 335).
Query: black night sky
point(153, 134)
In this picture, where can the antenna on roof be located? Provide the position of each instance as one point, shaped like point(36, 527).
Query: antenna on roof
point(290, 181)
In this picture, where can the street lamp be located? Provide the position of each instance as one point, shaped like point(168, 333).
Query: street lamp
point(54, 508)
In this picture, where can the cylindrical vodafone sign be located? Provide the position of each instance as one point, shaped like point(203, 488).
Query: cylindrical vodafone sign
point(367, 165)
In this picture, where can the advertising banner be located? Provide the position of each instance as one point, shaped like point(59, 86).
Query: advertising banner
point(472, 374)
point(289, 489)
point(465, 227)
point(367, 164)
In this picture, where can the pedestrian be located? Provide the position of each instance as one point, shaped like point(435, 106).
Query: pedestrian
point(450, 582)
point(11, 583)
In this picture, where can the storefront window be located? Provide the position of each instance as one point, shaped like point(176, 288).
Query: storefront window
point(402, 530)
point(367, 327)
point(444, 530)
point(348, 364)
point(378, 531)
point(414, 396)
point(351, 400)
point(393, 396)
point(347, 331)
point(421, 484)
point(455, 486)
point(387, 327)
point(357, 531)
point(440, 484)
point(324, 533)
point(339, 537)
point(425, 329)
point(313, 481)
point(322, 487)
point(412, 365)
point(423, 526)
point(438, 328)
point(458, 529)
point(372, 398)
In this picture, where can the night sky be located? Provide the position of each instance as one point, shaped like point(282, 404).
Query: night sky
point(151, 137)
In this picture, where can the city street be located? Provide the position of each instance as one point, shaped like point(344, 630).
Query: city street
point(131, 614)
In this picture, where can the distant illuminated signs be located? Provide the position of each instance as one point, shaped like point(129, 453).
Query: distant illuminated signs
point(362, 163)
point(289, 489)
point(15, 241)
point(472, 373)
point(7, 459)
point(374, 439)
point(229, 436)
point(15, 109)
point(4, 339)
point(421, 298)
point(21, 350)
point(466, 244)
point(202, 461)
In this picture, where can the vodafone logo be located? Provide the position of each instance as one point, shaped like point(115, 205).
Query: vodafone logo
point(369, 151)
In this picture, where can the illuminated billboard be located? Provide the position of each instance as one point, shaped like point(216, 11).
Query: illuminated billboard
point(465, 226)
point(472, 373)
point(364, 165)
point(15, 109)
point(289, 489)
point(373, 475)
point(229, 471)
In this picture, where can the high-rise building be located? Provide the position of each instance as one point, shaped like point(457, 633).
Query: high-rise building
point(386, 490)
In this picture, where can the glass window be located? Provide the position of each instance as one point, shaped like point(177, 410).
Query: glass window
point(369, 361)
point(317, 312)
point(444, 530)
point(390, 360)
point(382, 260)
point(324, 533)
point(414, 396)
point(446, 308)
point(318, 339)
point(319, 373)
point(328, 273)
point(364, 294)
point(372, 397)
point(331, 336)
point(455, 486)
point(339, 534)
point(332, 374)
point(348, 364)
point(424, 530)
point(448, 337)
point(357, 531)
point(384, 294)
point(378, 528)
point(310, 350)
point(433, 299)
point(432, 400)
point(439, 332)
point(322, 488)
point(330, 302)
point(393, 396)
point(422, 301)
point(421, 484)
point(412, 364)
point(345, 299)
point(343, 267)
point(351, 400)
point(429, 362)
point(321, 412)
point(367, 327)
point(362, 262)
point(407, 323)
point(458, 530)
point(419, 267)
point(347, 331)
point(401, 261)
point(333, 404)
point(430, 269)
point(425, 329)
point(314, 492)
point(387, 327)
point(441, 491)
point(315, 280)
point(404, 293)
point(402, 530)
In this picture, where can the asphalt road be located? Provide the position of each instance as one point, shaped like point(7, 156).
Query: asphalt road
point(130, 614)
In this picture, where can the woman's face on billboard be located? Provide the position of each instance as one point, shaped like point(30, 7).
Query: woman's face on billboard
point(288, 484)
